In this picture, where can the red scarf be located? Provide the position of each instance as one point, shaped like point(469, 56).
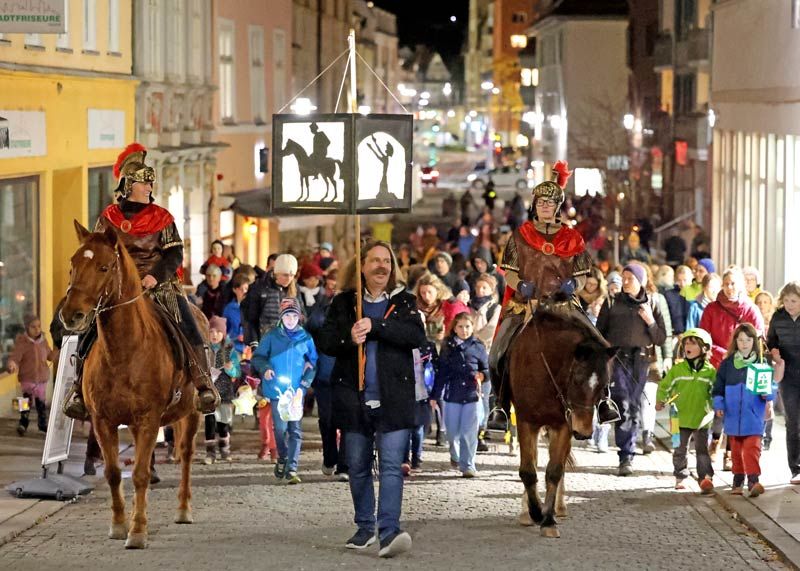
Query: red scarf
point(566, 243)
point(151, 219)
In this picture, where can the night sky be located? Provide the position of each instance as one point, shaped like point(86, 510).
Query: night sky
point(428, 22)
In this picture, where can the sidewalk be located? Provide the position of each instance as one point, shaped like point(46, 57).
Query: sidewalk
point(775, 516)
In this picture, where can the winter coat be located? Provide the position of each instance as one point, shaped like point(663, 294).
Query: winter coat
point(261, 307)
point(314, 323)
point(695, 309)
point(663, 350)
point(455, 283)
point(397, 335)
point(721, 317)
point(678, 309)
point(225, 381)
point(486, 317)
point(744, 410)
point(784, 335)
point(491, 269)
point(286, 354)
point(691, 291)
point(620, 324)
point(31, 357)
point(233, 322)
point(694, 393)
point(458, 364)
point(212, 302)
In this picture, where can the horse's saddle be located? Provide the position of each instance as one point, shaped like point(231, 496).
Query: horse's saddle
point(182, 350)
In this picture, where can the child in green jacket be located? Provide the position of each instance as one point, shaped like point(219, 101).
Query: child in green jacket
point(688, 384)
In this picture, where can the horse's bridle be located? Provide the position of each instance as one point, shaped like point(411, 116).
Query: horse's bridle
point(100, 307)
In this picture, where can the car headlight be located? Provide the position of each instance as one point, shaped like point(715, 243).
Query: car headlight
point(471, 177)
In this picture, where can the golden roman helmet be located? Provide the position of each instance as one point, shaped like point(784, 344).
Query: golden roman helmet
point(130, 167)
point(553, 189)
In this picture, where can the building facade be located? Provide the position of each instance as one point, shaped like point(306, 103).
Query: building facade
point(174, 103)
point(66, 110)
point(756, 148)
point(682, 59)
point(252, 65)
point(478, 72)
point(582, 85)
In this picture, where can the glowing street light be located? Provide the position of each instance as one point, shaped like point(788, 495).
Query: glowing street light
point(303, 106)
point(496, 90)
point(487, 85)
point(628, 121)
point(447, 89)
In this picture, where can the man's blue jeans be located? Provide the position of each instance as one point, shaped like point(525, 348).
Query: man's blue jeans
point(288, 437)
point(391, 448)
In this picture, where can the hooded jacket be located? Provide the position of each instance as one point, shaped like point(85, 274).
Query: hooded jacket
point(744, 410)
point(722, 316)
point(286, 354)
point(694, 393)
point(458, 364)
point(491, 269)
point(620, 324)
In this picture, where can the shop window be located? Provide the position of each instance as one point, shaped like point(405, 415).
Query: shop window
point(101, 192)
point(19, 259)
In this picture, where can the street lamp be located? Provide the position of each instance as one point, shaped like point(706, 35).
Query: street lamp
point(303, 106)
point(487, 85)
point(628, 121)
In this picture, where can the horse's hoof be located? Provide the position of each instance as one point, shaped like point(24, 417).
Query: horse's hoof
point(551, 532)
point(184, 516)
point(136, 541)
point(118, 531)
point(525, 519)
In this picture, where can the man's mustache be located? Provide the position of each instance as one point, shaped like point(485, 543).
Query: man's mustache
point(380, 272)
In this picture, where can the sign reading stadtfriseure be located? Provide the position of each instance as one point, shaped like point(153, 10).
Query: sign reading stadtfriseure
point(28, 17)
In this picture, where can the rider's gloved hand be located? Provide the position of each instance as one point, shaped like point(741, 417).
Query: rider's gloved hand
point(526, 290)
point(568, 287)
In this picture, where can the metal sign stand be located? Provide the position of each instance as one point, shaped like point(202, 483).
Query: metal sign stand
point(58, 486)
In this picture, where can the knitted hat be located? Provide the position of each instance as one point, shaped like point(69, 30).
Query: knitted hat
point(326, 246)
point(290, 305)
point(445, 256)
point(638, 271)
point(614, 278)
point(708, 264)
point(310, 270)
point(285, 264)
point(218, 323)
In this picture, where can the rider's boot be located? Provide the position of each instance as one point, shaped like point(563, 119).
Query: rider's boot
point(209, 396)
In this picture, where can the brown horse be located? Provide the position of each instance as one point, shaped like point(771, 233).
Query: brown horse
point(558, 372)
point(130, 376)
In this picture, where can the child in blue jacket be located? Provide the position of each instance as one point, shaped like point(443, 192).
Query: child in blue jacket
point(463, 366)
point(287, 359)
point(742, 410)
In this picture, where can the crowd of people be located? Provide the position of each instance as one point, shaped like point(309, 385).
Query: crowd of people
point(419, 361)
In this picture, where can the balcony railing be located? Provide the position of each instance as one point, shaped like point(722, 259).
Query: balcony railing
point(699, 46)
point(663, 52)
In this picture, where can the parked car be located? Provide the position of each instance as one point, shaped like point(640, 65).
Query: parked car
point(502, 176)
point(429, 175)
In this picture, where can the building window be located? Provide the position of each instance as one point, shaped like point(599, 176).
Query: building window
point(278, 69)
point(153, 33)
point(529, 77)
point(196, 40)
point(176, 40)
point(113, 26)
point(519, 18)
point(101, 191)
point(685, 17)
point(89, 25)
point(519, 41)
point(62, 40)
point(19, 258)
point(33, 40)
point(227, 93)
point(258, 90)
point(684, 93)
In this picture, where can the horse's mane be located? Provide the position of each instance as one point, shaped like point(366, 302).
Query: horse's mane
point(553, 321)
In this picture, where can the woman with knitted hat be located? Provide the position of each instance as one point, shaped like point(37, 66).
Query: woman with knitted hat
point(287, 360)
point(633, 322)
point(261, 307)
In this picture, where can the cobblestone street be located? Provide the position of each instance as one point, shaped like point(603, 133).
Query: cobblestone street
point(245, 520)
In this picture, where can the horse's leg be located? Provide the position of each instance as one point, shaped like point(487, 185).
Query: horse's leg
point(144, 435)
point(108, 439)
point(188, 430)
point(528, 437)
point(560, 442)
point(561, 505)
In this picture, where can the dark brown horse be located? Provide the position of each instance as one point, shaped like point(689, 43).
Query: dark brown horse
point(558, 372)
point(130, 376)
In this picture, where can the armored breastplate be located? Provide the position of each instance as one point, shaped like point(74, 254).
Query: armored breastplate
point(145, 250)
point(546, 271)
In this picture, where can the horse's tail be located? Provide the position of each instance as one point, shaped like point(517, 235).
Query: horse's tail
point(570, 463)
point(338, 163)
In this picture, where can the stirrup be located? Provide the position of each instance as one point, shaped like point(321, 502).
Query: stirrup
point(607, 412)
point(75, 408)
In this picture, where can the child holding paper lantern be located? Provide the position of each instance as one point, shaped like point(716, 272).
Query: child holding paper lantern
point(742, 403)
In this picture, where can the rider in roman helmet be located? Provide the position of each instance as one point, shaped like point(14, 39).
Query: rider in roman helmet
point(545, 264)
point(152, 239)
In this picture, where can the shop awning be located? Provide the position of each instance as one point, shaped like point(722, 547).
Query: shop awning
point(255, 203)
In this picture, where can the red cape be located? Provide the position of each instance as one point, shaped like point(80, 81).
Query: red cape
point(566, 243)
point(151, 219)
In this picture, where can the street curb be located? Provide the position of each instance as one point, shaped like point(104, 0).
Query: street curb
point(745, 512)
point(28, 518)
